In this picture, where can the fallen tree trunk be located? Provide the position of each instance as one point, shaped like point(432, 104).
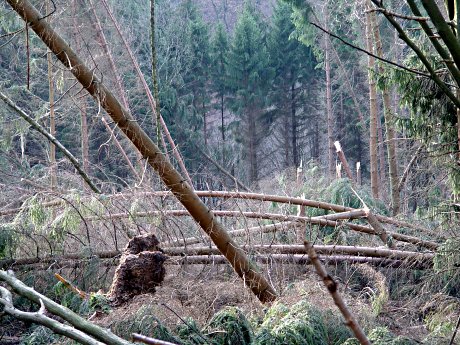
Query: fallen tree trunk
point(320, 249)
point(262, 229)
point(275, 216)
point(325, 250)
point(297, 260)
point(40, 318)
point(251, 196)
point(172, 179)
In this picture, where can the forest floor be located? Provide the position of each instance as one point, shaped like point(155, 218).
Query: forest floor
point(198, 293)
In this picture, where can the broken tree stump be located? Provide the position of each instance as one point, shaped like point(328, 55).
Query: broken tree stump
point(140, 271)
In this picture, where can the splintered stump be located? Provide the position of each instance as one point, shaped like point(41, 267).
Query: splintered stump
point(140, 270)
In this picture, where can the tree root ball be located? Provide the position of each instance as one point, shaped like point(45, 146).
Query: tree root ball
point(140, 270)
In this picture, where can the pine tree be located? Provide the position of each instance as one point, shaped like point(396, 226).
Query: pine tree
point(294, 64)
point(219, 57)
point(248, 67)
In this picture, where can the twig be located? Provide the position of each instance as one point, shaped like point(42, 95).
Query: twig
point(455, 331)
point(70, 286)
point(332, 287)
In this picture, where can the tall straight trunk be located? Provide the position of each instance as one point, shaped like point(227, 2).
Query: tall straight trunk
point(330, 120)
point(381, 153)
point(222, 129)
point(205, 124)
point(125, 121)
point(390, 132)
point(84, 137)
point(286, 130)
point(253, 173)
point(52, 156)
point(156, 94)
point(295, 154)
point(372, 108)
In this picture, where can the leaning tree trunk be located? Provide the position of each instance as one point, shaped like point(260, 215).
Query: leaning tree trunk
point(181, 189)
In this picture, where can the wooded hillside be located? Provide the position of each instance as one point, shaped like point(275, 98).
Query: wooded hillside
point(163, 157)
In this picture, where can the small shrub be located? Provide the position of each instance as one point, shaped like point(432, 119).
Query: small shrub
point(230, 326)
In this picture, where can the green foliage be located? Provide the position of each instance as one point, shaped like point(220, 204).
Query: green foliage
point(230, 326)
point(336, 329)
point(340, 192)
point(302, 324)
point(8, 239)
point(446, 264)
point(98, 301)
point(40, 335)
point(382, 336)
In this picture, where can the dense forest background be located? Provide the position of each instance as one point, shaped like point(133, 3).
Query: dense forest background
point(319, 100)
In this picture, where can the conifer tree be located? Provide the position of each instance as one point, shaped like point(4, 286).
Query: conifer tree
point(219, 57)
point(249, 70)
point(293, 64)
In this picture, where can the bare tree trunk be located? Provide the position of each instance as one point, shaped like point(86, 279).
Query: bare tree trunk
point(295, 154)
point(372, 108)
point(390, 132)
point(83, 115)
point(179, 187)
point(52, 156)
point(84, 136)
point(253, 173)
point(330, 120)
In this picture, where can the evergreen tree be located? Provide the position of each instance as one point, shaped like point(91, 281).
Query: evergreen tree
point(294, 64)
point(249, 71)
point(219, 57)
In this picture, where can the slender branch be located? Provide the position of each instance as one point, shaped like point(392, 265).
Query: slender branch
point(35, 125)
point(371, 54)
point(402, 35)
point(403, 179)
point(445, 55)
point(332, 287)
point(223, 170)
point(398, 15)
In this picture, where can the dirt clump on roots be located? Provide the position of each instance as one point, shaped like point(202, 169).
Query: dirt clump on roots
point(140, 271)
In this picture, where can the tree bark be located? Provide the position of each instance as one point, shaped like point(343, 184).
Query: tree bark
point(184, 192)
point(390, 132)
point(53, 170)
point(330, 119)
point(372, 108)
